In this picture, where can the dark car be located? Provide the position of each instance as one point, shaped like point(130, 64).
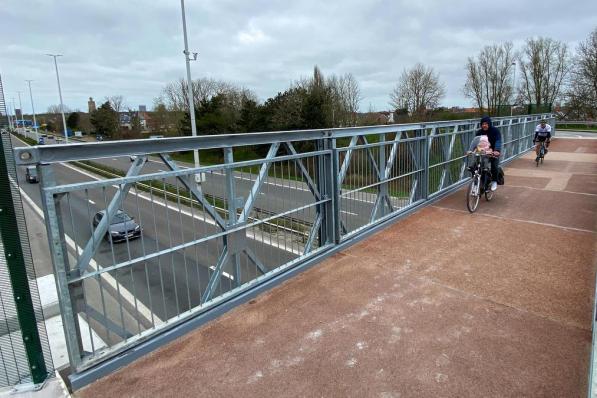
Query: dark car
point(31, 174)
point(122, 226)
point(99, 137)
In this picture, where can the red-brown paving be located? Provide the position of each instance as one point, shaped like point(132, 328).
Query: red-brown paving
point(440, 304)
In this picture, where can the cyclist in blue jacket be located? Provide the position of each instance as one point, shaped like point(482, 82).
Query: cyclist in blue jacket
point(495, 141)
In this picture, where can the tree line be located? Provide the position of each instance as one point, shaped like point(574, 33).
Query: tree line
point(541, 73)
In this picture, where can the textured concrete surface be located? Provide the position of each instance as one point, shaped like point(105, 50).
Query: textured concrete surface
point(440, 304)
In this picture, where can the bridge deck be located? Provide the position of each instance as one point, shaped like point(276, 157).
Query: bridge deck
point(442, 303)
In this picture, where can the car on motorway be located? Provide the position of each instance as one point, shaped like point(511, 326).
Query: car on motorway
point(122, 226)
point(31, 174)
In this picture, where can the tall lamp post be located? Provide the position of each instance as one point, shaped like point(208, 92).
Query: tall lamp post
point(8, 113)
point(33, 110)
point(198, 177)
point(513, 87)
point(60, 94)
point(21, 107)
point(16, 118)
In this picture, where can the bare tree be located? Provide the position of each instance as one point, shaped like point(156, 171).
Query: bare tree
point(352, 97)
point(117, 103)
point(175, 93)
point(417, 90)
point(488, 77)
point(345, 97)
point(544, 64)
point(55, 109)
point(582, 93)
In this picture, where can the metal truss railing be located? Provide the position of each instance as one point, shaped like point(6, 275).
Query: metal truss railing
point(197, 246)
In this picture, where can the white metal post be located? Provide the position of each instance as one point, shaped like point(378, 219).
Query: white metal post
point(60, 94)
point(33, 110)
point(198, 177)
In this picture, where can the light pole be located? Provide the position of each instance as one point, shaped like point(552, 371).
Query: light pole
point(198, 177)
point(513, 88)
point(21, 107)
point(33, 110)
point(16, 119)
point(60, 94)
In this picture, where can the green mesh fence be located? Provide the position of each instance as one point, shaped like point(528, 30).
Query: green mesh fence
point(24, 349)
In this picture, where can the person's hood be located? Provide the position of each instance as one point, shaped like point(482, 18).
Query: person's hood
point(486, 119)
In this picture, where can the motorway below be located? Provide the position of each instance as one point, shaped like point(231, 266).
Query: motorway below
point(155, 289)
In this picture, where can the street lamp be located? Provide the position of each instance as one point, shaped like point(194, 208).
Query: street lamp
point(16, 119)
point(60, 94)
point(33, 110)
point(513, 87)
point(21, 107)
point(198, 177)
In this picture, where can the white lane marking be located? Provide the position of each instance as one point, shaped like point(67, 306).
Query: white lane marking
point(347, 212)
point(91, 201)
point(209, 221)
point(186, 213)
point(141, 308)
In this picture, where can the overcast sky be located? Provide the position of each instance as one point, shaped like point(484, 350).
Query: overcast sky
point(134, 48)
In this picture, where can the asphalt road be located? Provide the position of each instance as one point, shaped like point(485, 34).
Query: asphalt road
point(166, 285)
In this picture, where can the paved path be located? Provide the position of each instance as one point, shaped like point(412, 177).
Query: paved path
point(440, 304)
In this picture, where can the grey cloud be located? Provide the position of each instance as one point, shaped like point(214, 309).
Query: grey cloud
point(134, 48)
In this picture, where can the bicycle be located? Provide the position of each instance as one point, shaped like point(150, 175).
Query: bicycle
point(542, 151)
point(480, 181)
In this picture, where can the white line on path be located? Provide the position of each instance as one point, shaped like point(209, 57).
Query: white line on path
point(517, 219)
point(91, 201)
point(347, 212)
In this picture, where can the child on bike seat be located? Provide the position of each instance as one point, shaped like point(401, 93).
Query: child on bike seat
point(480, 144)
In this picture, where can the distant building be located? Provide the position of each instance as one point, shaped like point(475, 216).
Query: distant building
point(142, 109)
point(91, 105)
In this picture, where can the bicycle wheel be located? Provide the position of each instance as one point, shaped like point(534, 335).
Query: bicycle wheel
point(472, 195)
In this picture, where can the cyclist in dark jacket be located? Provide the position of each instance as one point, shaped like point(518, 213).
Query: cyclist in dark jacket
point(495, 141)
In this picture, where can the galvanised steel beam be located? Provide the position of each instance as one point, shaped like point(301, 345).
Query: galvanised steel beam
point(372, 159)
point(255, 260)
point(102, 228)
point(313, 233)
point(106, 149)
point(58, 250)
point(346, 160)
point(215, 277)
point(195, 190)
point(263, 174)
point(304, 171)
point(232, 216)
point(448, 156)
